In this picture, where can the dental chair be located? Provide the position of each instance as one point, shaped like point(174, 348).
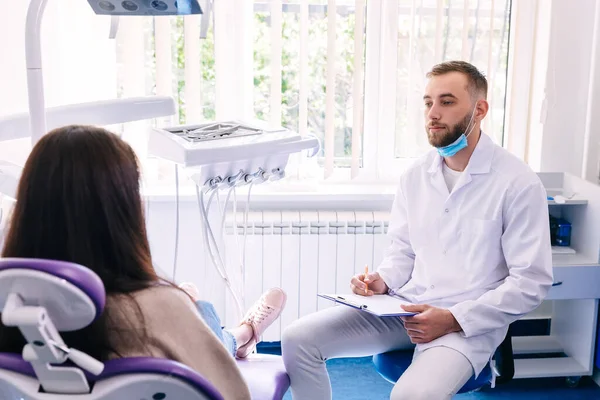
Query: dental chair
point(499, 370)
point(44, 297)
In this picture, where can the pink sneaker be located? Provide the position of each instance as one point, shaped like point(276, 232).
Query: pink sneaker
point(191, 289)
point(260, 316)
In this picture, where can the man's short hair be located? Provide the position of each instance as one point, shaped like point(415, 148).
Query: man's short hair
point(477, 82)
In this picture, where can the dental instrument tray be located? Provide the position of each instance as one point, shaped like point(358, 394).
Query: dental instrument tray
point(223, 149)
point(215, 131)
point(228, 141)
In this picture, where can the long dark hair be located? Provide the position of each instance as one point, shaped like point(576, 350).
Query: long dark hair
point(79, 200)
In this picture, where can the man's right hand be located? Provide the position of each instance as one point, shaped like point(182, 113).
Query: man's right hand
point(373, 280)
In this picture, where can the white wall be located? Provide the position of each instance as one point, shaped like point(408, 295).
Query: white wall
point(570, 72)
point(78, 61)
point(567, 83)
point(75, 54)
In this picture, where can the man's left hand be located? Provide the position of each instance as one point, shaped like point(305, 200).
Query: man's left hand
point(429, 324)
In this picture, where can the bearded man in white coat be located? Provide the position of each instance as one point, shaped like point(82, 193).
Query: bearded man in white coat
point(470, 248)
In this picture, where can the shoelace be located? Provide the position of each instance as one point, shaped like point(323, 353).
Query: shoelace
point(261, 313)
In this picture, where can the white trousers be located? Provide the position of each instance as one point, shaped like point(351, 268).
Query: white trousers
point(434, 374)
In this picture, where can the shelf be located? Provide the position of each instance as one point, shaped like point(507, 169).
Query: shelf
point(536, 345)
point(563, 250)
point(569, 202)
point(567, 260)
point(549, 367)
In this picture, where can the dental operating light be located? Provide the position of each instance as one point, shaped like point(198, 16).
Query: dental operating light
point(146, 7)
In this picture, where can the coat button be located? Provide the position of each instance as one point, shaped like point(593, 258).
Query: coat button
point(446, 210)
point(432, 287)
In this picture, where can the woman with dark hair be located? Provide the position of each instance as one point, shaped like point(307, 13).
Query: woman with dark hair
point(79, 200)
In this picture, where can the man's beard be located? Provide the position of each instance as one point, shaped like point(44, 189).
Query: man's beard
point(443, 139)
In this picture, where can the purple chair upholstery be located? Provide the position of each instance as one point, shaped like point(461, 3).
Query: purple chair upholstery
point(266, 376)
point(15, 363)
point(124, 366)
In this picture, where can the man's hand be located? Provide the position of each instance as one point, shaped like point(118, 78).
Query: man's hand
point(430, 324)
point(376, 285)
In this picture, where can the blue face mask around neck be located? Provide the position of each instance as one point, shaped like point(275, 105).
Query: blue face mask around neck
point(458, 144)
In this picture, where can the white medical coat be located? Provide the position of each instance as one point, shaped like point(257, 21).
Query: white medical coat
point(482, 251)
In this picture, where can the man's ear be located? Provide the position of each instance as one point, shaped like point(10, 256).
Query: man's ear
point(482, 109)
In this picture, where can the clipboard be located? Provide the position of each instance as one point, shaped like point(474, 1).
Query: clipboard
point(381, 305)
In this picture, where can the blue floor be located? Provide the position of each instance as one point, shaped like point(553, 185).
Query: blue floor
point(345, 371)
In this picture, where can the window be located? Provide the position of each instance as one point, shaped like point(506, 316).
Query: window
point(282, 49)
point(432, 31)
point(302, 55)
point(292, 69)
point(338, 75)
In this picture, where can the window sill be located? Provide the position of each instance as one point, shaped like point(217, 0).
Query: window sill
point(296, 196)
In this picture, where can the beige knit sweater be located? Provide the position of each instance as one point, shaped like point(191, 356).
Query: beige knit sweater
point(174, 330)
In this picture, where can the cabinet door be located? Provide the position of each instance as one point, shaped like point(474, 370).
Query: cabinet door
point(581, 282)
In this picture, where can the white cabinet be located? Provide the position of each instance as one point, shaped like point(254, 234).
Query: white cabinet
point(570, 347)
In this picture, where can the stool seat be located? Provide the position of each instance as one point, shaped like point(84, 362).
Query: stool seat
point(391, 366)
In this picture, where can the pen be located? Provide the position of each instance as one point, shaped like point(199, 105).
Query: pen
point(366, 274)
point(360, 306)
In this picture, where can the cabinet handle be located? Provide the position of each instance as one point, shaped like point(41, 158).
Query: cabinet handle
point(556, 283)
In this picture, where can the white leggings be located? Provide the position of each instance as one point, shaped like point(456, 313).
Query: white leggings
point(435, 374)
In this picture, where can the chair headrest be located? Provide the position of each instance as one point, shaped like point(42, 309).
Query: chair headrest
point(72, 294)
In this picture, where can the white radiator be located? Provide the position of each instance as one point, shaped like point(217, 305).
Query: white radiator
point(304, 253)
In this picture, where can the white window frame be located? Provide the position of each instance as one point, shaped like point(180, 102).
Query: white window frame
point(526, 93)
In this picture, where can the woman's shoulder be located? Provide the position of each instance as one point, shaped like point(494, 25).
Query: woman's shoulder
point(156, 300)
point(159, 310)
point(162, 297)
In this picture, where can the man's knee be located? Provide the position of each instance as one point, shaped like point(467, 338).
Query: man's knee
point(295, 337)
point(290, 337)
point(403, 391)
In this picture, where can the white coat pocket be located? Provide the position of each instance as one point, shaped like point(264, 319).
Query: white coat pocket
point(480, 242)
